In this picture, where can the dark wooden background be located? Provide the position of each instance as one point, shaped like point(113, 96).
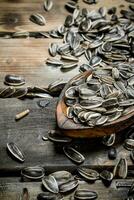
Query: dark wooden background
point(27, 57)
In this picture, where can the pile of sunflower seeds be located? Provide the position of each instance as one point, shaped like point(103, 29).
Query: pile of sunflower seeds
point(108, 46)
point(103, 40)
point(104, 96)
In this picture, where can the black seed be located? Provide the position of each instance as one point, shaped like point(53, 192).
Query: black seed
point(112, 153)
point(112, 10)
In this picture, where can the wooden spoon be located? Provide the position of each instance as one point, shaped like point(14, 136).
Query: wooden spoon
point(69, 128)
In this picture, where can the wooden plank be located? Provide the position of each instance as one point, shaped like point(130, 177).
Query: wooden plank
point(13, 190)
point(28, 132)
point(27, 57)
point(14, 15)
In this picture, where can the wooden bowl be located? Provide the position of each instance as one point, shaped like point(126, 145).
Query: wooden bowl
point(69, 128)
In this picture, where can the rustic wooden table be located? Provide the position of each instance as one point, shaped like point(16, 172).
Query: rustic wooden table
point(27, 57)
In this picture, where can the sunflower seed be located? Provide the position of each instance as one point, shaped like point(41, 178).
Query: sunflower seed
point(38, 19)
point(69, 58)
point(50, 183)
point(62, 177)
point(33, 172)
point(90, 1)
point(49, 196)
point(48, 4)
point(56, 87)
point(88, 174)
point(14, 80)
point(109, 140)
point(85, 194)
point(132, 155)
point(68, 186)
point(106, 176)
point(101, 120)
point(15, 151)
point(120, 169)
point(112, 10)
point(70, 6)
point(54, 61)
point(69, 21)
point(53, 49)
point(20, 34)
point(74, 155)
point(56, 137)
point(129, 144)
point(7, 92)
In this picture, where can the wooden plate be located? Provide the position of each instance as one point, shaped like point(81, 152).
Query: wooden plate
point(68, 127)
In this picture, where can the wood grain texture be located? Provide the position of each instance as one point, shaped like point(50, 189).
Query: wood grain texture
point(13, 190)
point(28, 132)
point(27, 57)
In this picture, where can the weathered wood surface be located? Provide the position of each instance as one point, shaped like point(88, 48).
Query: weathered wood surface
point(28, 132)
point(27, 56)
point(14, 15)
point(13, 190)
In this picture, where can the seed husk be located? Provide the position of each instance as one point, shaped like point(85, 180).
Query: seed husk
point(88, 174)
point(53, 49)
point(121, 168)
point(48, 4)
point(73, 154)
point(69, 58)
point(85, 194)
point(132, 155)
point(50, 183)
point(129, 144)
point(38, 19)
point(7, 92)
point(19, 93)
point(57, 138)
point(56, 87)
point(14, 80)
point(49, 196)
point(68, 186)
point(69, 21)
point(15, 151)
point(70, 6)
point(62, 176)
point(69, 65)
point(106, 176)
point(33, 172)
point(109, 140)
point(22, 114)
point(21, 34)
point(90, 1)
point(54, 61)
